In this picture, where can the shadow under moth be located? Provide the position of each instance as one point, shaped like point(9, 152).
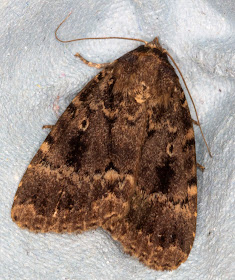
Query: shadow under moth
point(121, 157)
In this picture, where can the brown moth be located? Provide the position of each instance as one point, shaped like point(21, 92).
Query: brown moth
point(121, 157)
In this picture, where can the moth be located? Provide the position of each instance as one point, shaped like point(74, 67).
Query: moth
point(121, 157)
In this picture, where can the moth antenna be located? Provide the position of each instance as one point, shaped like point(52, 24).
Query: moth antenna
point(97, 38)
point(165, 51)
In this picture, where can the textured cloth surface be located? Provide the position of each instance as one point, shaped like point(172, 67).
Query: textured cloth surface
point(40, 76)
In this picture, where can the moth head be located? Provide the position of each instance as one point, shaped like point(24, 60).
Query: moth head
point(155, 44)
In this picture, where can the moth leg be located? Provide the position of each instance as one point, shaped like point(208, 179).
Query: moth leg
point(195, 122)
point(91, 64)
point(50, 126)
point(201, 167)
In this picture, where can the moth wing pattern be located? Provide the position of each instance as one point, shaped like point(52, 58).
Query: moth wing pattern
point(160, 226)
point(70, 183)
point(122, 156)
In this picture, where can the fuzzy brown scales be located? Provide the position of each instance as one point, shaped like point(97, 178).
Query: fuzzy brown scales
point(122, 157)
